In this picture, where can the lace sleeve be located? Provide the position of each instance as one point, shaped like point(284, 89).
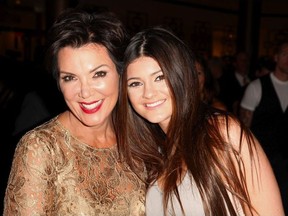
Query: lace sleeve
point(30, 189)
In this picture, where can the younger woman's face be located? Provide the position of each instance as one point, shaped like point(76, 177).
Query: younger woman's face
point(148, 91)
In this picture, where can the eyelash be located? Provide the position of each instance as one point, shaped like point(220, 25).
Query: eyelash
point(98, 74)
point(67, 78)
point(135, 84)
point(161, 77)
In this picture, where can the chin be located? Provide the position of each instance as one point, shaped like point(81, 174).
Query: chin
point(156, 120)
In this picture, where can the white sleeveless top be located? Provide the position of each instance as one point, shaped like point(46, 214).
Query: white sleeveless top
point(253, 93)
point(190, 198)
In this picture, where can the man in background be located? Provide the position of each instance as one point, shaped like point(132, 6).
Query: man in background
point(264, 110)
point(233, 82)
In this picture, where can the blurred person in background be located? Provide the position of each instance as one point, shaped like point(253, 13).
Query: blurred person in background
point(233, 82)
point(208, 84)
point(264, 108)
point(264, 65)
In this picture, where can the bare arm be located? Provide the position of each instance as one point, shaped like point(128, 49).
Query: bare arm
point(246, 116)
point(261, 183)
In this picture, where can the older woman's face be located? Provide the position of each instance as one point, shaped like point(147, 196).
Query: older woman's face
point(148, 91)
point(89, 82)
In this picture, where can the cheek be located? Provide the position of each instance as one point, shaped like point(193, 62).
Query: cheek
point(107, 86)
point(67, 91)
point(165, 89)
point(133, 97)
point(284, 59)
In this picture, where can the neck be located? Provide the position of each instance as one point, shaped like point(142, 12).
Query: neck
point(281, 74)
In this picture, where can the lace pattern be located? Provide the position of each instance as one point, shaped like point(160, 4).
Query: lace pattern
point(54, 174)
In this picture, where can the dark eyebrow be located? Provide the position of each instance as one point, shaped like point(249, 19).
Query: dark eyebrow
point(156, 72)
point(91, 71)
point(151, 75)
point(96, 68)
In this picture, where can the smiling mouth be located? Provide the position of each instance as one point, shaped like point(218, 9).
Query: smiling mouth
point(92, 105)
point(155, 104)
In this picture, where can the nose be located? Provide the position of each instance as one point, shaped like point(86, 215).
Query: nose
point(85, 90)
point(149, 91)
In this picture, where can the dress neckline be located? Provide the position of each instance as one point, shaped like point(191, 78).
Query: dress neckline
point(67, 131)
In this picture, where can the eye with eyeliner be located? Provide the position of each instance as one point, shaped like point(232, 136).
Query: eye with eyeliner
point(134, 84)
point(67, 78)
point(160, 77)
point(100, 74)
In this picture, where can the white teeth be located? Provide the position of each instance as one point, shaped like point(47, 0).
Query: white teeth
point(155, 104)
point(92, 106)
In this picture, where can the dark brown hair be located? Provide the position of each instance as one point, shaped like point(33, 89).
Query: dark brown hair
point(193, 137)
point(76, 27)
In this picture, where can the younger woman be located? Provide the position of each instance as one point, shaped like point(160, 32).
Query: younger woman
point(199, 161)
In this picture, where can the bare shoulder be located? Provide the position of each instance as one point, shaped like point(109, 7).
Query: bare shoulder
point(232, 130)
point(261, 184)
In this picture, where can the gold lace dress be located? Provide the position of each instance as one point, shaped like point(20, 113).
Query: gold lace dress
point(55, 174)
